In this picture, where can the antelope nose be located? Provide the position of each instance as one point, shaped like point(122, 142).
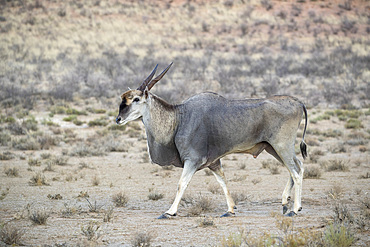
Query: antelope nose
point(118, 119)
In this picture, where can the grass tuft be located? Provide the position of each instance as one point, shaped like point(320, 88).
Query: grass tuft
point(141, 239)
point(120, 199)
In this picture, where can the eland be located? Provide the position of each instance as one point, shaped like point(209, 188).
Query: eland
point(206, 127)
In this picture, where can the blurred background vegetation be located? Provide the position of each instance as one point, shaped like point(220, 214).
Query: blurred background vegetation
point(55, 50)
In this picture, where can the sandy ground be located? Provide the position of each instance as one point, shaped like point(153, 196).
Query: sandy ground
point(131, 173)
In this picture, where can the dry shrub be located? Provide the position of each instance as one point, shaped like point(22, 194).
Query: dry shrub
point(91, 231)
point(11, 235)
point(201, 205)
point(120, 199)
point(214, 188)
point(337, 165)
point(155, 196)
point(239, 197)
point(39, 217)
point(141, 239)
point(11, 172)
point(312, 172)
point(38, 180)
point(336, 192)
point(206, 222)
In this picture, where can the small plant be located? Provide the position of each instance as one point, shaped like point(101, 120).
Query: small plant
point(11, 172)
point(206, 222)
point(39, 217)
point(141, 239)
point(274, 170)
point(202, 204)
point(239, 197)
point(313, 172)
point(120, 199)
point(38, 180)
point(93, 208)
point(70, 210)
point(338, 165)
point(91, 231)
point(256, 180)
point(214, 188)
point(11, 235)
point(6, 155)
point(338, 235)
point(155, 196)
point(353, 124)
point(336, 192)
point(108, 214)
point(34, 162)
point(95, 180)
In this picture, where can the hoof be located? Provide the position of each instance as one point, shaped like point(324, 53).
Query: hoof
point(165, 216)
point(299, 209)
point(228, 214)
point(285, 209)
point(291, 214)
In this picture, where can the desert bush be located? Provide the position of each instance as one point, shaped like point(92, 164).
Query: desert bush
point(6, 155)
point(337, 165)
point(30, 124)
point(312, 172)
point(120, 199)
point(39, 217)
point(98, 122)
point(93, 207)
point(70, 210)
point(34, 162)
point(353, 124)
point(338, 235)
point(5, 138)
point(206, 222)
point(365, 176)
point(239, 197)
point(336, 192)
point(95, 180)
point(70, 118)
point(11, 172)
point(155, 196)
point(38, 180)
point(91, 231)
point(274, 170)
point(59, 160)
point(83, 150)
point(141, 239)
point(201, 205)
point(11, 235)
point(214, 188)
point(25, 143)
point(108, 214)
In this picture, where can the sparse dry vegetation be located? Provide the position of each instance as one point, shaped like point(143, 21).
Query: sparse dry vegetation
point(64, 63)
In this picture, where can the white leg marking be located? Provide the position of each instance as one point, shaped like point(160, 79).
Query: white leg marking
point(187, 174)
point(287, 191)
point(220, 177)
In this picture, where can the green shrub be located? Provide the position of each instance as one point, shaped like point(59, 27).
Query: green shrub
point(70, 118)
point(98, 122)
point(338, 235)
point(353, 124)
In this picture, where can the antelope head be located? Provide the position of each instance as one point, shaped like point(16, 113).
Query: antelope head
point(134, 102)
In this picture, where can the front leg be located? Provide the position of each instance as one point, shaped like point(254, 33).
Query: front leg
point(187, 173)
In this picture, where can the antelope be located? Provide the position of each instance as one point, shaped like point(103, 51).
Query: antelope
point(197, 133)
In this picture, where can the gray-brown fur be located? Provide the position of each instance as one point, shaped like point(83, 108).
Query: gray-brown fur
point(199, 132)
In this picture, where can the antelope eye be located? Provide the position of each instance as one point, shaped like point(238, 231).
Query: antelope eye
point(136, 99)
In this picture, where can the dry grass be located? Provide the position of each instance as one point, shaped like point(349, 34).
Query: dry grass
point(201, 204)
point(312, 172)
point(142, 239)
point(11, 235)
point(120, 199)
point(39, 217)
point(155, 196)
point(91, 231)
point(38, 180)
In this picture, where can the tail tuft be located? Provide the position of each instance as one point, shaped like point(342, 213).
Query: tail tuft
point(303, 147)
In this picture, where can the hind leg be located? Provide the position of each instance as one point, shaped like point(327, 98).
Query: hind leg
point(218, 172)
point(288, 188)
point(287, 155)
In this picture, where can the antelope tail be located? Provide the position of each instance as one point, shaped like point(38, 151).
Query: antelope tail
point(303, 145)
